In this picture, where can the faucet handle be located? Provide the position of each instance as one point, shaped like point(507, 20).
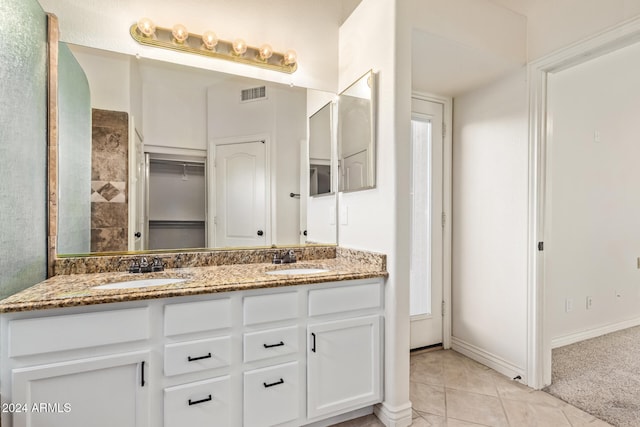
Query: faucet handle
point(157, 265)
point(134, 267)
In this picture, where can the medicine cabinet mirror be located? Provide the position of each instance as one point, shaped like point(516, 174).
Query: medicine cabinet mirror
point(356, 135)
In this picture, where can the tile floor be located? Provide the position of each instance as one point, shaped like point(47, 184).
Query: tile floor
point(448, 389)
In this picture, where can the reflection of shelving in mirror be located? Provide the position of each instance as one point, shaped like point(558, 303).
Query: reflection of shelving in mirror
point(177, 200)
point(319, 179)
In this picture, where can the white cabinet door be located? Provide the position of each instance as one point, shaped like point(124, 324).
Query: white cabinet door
point(344, 367)
point(99, 392)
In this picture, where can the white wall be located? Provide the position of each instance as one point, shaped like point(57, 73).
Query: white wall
point(109, 77)
point(308, 26)
point(369, 219)
point(489, 277)
point(554, 24)
point(282, 117)
point(593, 220)
point(175, 110)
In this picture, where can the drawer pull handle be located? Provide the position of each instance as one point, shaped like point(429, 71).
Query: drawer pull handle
point(272, 384)
point(195, 402)
point(193, 359)
point(313, 346)
point(280, 344)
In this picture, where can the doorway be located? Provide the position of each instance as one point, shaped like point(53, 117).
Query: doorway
point(427, 222)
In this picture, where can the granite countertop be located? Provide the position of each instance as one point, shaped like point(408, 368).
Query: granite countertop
point(76, 290)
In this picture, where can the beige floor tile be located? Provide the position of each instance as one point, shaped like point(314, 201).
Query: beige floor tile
point(427, 398)
point(427, 371)
point(525, 414)
point(475, 407)
point(452, 422)
point(471, 380)
point(434, 420)
point(366, 421)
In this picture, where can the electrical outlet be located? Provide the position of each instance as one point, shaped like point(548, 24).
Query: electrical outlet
point(589, 302)
point(568, 305)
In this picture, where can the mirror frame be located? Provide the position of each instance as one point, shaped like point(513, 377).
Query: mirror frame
point(53, 37)
point(372, 144)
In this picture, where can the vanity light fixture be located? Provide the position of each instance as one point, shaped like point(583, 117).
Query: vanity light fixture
point(179, 39)
point(146, 27)
point(265, 52)
point(239, 47)
point(209, 40)
point(180, 33)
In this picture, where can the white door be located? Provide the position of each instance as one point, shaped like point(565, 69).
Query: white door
point(102, 392)
point(355, 171)
point(344, 365)
point(241, 195)
point(426, 223)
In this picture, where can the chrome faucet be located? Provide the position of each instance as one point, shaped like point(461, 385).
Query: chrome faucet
point(143, 266)
point(288, 257)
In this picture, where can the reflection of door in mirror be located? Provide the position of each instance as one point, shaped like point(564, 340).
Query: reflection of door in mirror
point(320, 136)
point(177, 202)
point(241, 192)
point(356, 142)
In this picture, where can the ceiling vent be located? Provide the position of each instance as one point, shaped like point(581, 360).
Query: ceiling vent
point(254, 94)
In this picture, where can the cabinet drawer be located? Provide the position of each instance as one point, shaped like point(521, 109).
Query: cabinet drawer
point(194, 356)
point(202, 403)
point(270, 343)
point(72, 331)
point(271, 395)
point(270, 308)
point(197, 316)
point(344, 298)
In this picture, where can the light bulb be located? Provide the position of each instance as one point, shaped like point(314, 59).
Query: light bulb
point(209, 40)
point(265, 52)
point(290, 57)
point(239, 46)
point(180, 33)
point(146, 27)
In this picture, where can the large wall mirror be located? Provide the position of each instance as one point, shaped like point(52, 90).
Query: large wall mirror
point(356, 135)
point(156, 152)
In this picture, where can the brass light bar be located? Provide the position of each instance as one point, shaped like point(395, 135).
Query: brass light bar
point(163, 38)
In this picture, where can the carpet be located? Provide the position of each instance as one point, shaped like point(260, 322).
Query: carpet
point(601, 376)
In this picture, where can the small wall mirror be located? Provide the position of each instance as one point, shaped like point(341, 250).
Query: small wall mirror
point(320, 137)
point(356, 135)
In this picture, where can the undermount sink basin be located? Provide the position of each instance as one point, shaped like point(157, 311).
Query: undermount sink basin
point(298, 271)
point(142, 283)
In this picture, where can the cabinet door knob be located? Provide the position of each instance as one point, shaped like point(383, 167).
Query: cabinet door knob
point(138, 234)
point(260, 232)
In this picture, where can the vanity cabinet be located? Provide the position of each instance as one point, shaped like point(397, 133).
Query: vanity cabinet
point(100, 392)
point(77, 369)
point(287, 356)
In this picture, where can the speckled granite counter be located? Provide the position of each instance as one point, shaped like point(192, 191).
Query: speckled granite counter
point(77, 289)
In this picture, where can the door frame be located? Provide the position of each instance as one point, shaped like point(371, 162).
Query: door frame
point(270, 208)
point(447, 161)
point(540, 131)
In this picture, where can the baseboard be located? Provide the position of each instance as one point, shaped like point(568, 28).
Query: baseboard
point(401, 416)
point(343, 417)
point(593, 333)
point(488, 359)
